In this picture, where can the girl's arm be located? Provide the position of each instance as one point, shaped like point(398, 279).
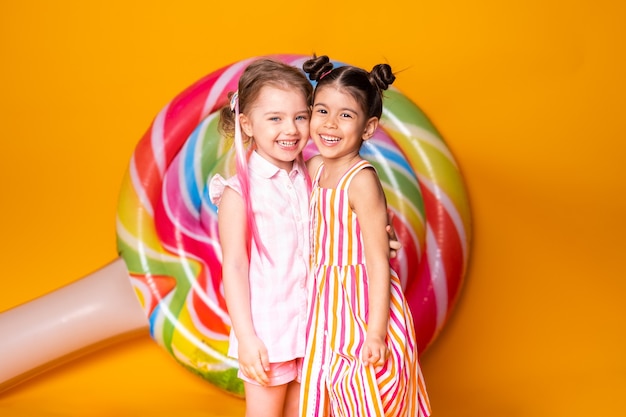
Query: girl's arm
point(368, 201)
point(253, 357)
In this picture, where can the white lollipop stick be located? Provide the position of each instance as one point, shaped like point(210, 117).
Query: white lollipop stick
point(81, 317)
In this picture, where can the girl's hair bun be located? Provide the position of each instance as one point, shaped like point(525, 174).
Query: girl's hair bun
point(382, 76)
point(317, 67)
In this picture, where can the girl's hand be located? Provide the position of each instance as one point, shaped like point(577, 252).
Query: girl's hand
point(375, 351)
point(394, 243)
point(254, 360)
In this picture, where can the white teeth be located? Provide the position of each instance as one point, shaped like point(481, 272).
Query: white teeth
point(287, 143)
point(330, 138)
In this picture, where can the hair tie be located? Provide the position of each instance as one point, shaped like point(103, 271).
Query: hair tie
point(326, 73)
point(234, 99)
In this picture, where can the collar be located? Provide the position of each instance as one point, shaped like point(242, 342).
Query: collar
point(266, 169)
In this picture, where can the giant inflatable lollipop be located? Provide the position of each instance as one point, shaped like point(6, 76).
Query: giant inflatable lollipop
point(168, 241)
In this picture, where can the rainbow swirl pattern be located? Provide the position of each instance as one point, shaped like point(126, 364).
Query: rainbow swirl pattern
point(167, 226)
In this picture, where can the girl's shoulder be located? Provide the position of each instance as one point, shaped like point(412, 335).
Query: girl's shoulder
point(359, 169)
point(313, 164)
point(362, 178)
point(365, 191)
point(217, 185)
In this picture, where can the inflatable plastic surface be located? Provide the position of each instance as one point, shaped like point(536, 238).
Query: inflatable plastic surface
point(170, 253)
point(167, 227)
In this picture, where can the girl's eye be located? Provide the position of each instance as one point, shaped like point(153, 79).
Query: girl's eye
point(274, 119)
point(301, 118)
point(322, 111)
point(346, 115)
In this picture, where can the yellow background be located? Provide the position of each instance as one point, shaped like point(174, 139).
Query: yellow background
point(529, 95)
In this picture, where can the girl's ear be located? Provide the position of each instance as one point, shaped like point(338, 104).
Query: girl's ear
point(246, 127)
point(370, 128)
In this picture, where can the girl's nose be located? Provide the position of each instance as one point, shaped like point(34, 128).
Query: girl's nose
point(290, 128)
point(330, 122)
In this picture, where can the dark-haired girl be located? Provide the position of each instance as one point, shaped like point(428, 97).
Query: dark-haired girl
point(361, 357)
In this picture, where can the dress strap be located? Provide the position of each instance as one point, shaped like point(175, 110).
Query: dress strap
point(345, 181)
point(318, 173)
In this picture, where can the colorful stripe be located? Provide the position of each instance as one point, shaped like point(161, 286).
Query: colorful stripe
point(335, 381)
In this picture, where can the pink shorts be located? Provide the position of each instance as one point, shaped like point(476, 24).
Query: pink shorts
point(280, 373)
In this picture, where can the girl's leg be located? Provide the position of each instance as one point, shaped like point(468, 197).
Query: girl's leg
point(292, 400)
point(264, 401)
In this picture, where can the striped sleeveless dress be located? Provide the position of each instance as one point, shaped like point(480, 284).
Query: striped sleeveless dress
point(335, 382)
